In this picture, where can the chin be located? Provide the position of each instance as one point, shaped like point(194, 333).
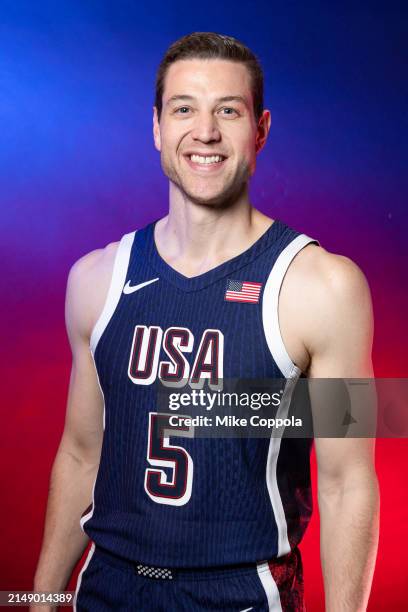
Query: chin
point(218, 200)
point(222, 195)
point(215, 198)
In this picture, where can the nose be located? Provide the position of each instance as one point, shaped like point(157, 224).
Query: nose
point(206, 129)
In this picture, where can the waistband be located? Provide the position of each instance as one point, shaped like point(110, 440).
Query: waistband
point(193, 573)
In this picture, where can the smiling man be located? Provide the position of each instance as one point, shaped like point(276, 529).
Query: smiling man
point(214, 290)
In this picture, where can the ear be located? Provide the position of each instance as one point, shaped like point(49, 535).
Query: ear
point(262, 131)
point(156, 129)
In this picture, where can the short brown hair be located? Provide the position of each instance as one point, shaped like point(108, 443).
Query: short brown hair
point(209, 45)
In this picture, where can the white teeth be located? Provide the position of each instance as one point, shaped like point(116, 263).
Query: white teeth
point(198, 159)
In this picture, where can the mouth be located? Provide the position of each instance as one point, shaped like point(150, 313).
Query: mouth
point(207, 163)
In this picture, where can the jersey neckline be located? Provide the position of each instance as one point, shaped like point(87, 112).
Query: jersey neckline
point(224, 269)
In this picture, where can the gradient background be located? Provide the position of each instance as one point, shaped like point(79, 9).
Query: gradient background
point(78, 169)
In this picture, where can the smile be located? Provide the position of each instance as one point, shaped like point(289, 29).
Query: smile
point(205, 163)
point(213, 159)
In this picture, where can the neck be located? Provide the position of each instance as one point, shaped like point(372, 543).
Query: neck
point(197, 237)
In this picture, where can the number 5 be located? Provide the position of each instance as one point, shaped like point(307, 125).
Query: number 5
point(176, 490)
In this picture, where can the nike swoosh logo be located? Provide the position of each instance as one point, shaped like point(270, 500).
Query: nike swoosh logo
point(131, 289)
point(247, 609)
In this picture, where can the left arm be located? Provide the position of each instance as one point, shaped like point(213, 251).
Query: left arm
point(349, 508)
point(340, 344)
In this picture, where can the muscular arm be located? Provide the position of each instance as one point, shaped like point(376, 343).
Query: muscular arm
point(327, 322)
point(339, 341)
point(76, 462)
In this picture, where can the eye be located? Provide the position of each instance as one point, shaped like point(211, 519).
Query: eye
point(228, 110)
point(182, 110)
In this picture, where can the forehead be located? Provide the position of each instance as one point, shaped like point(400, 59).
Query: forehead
point(207, 78)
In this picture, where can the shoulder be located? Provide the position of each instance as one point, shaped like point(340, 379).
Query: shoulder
point(87, 287)
point(325, 301)
point(93, 264)
point(335, 276)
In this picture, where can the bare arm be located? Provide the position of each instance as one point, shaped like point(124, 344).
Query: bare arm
point(340, 343)
point(77, 460)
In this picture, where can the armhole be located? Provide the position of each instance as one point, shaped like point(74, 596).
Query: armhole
point(270, 302)
point(120, 268)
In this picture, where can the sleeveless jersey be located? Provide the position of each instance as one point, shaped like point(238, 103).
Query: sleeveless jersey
point(165, 498)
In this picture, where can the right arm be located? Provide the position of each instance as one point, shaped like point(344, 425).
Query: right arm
point(76, 463)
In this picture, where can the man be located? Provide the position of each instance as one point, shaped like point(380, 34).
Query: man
point(214, 290)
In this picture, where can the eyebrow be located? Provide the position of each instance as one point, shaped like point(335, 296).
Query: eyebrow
point(186, 98)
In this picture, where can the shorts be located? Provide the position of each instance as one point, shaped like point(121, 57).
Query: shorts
point(110, 583)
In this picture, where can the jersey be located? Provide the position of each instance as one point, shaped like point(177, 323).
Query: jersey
point(161, 496)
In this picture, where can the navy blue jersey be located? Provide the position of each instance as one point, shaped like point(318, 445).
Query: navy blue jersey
point(162, 496)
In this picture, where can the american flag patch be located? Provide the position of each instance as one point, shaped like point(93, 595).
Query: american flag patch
point(243, 291)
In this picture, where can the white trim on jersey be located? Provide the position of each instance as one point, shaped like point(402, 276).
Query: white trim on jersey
point(269, 585)
point(85, 565)
point(271, 465)
point(90, 513)
point(120, 268)
point(270, 304)
point(291, 372)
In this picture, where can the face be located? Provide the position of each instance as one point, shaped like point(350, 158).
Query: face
point(208, 136)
